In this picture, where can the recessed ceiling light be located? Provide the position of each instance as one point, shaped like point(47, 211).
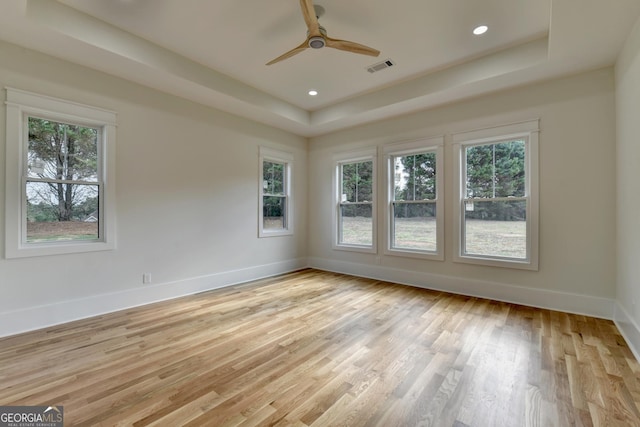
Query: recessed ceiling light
point(313, 92)
point(480, 30)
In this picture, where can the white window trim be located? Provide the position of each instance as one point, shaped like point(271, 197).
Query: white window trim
point(369, 154)
point(528, 130)
point(270, 154)
point(19, 104)
point(435, 144)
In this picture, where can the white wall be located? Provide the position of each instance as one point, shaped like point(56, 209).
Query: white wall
point(577, 196)
point(627, 74)
point(187, 201)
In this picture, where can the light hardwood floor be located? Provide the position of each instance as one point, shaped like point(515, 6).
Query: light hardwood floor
point(324, 349)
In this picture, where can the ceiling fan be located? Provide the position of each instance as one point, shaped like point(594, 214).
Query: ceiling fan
point(317, 37)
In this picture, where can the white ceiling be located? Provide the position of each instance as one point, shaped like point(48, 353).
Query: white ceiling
point(214, 52)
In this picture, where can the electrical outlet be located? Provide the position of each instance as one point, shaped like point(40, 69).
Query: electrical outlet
point(146, 278)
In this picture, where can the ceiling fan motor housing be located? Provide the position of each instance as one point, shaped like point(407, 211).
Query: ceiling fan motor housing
point(316, 42)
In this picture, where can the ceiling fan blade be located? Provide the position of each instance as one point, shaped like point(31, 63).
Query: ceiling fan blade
point(294, 51)
point(310, 18)
point(351, 47)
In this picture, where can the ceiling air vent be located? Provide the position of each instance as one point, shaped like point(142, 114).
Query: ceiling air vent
point(380, 66)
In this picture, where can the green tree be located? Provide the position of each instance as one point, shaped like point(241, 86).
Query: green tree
point(496, 170)
point(357, 181)
point(419, 177)
point(60, 155)
point(357, 187)
point(87, 207)
point(415, 180)
point(42, 212)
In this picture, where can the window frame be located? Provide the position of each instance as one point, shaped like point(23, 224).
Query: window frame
point(19, 106)
point(286, 158)
point(348, 158)
point(529, 132)
point(420, 146)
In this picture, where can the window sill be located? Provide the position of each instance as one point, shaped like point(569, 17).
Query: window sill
point(275, 233)
point(355, 248)
point(62, 248)
point(406, 253)
point(497, 262)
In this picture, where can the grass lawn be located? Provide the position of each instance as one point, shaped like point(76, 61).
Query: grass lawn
point(61, 231)
point(415, 233)
point(494, 238)
point(273, 223)
point(497, 238)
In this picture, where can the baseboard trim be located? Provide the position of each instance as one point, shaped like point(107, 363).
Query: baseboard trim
point(628, 328)
point(539, 298)
point(33, 318)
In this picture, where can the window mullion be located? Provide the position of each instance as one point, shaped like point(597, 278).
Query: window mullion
point(495, 199)
point(413, 202)
point(61, 181)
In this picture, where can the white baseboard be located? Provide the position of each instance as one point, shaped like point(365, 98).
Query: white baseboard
point(540, 298)
point(629, 329)
point(32, 318)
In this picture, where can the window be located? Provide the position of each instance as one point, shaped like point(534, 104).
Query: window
point(354, 216)
point(275, 193)
point(498, 196)
point(414, 214)
point(60, 184)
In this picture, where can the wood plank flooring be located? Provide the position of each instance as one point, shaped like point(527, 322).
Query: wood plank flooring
point(314, 348)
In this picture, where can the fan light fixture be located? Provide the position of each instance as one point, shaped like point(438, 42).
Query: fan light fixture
point(316, 42)
point(480, 30)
